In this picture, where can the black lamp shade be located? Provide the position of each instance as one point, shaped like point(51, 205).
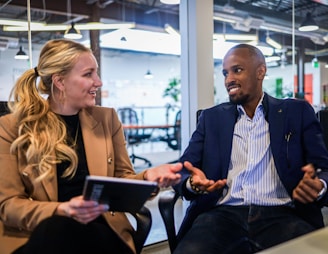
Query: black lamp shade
point(21, 55)
point(72, 33)
point(308, 24)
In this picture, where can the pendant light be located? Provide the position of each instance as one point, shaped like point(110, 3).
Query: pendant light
point(21, 55)
point(170, 1)
point(148, 75)
point(308, 24)
point(72, 33)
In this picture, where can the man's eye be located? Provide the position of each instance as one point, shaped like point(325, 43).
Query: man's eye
point(224, 73)
point(237, 70)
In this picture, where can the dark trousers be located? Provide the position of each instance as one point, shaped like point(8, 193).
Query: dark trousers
point(59, 234)
point(241, 230)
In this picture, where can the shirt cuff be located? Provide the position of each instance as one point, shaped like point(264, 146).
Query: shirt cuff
point(323, 191)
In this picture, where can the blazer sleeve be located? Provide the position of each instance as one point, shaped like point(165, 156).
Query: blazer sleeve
point(17, 209)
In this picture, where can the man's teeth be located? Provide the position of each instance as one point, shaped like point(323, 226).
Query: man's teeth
point(233, 89)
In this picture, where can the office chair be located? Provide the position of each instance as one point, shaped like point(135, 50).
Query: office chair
point(3, 108)
point(173, 138)
point(144, 222)
point(128, 116)
point(323, 119)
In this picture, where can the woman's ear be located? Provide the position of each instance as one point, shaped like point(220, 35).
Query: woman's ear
point(57, 81)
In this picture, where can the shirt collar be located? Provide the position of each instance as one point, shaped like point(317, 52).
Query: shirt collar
point(241, 110)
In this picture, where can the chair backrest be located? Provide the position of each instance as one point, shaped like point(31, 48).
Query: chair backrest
point(144, 222)
point(129, 116)
point(323, 119)
point(3, 108)
point(174, 139)
point(199, 111)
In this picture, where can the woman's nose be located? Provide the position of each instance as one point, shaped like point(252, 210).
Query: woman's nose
point(98, 81)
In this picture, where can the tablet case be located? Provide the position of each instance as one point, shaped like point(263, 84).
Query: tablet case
point(121, 194)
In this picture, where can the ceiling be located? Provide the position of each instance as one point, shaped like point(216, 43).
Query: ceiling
point(262, 17)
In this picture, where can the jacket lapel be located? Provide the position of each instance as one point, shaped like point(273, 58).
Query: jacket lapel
point(275, 115)
point(94, 143)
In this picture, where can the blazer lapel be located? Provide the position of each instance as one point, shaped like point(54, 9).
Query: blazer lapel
point(227, 134)
point(94, 144)
point(275, 115)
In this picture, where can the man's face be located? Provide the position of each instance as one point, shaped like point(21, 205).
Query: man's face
point(243, 76)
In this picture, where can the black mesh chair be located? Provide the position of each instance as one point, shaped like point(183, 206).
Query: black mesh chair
point(173, 139)
point(172, 135)
point(134, 136)
point(3, 108)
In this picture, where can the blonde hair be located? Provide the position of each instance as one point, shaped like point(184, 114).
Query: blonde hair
point(41, 133)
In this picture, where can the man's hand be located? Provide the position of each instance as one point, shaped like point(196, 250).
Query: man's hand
point(308, 188)
point(200, 180)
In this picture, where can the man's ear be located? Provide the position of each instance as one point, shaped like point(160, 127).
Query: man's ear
point(261, 71)
point(57, 81)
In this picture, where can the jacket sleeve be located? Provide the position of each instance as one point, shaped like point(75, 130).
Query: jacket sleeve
point(16, 207)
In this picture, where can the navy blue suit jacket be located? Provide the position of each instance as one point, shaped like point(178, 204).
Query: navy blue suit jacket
point(296, 140)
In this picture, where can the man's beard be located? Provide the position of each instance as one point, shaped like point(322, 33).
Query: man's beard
point(239, 100)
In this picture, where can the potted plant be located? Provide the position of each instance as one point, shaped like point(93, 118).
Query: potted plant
point(173, 90)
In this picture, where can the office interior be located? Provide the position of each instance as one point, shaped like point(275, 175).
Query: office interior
point(192, 37)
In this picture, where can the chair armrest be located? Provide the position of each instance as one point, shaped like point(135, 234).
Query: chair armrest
point(144, 222)
point(166, 205)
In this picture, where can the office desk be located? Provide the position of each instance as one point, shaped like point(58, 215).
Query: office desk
point(160, 126)
point(312, 243)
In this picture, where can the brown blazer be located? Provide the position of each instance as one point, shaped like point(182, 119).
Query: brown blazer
point(22, 205)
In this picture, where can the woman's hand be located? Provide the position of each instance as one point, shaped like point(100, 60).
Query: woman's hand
point(165, 175)
point(81, 210)
point(200, 180)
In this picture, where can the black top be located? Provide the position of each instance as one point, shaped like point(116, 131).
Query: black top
point(72, 187)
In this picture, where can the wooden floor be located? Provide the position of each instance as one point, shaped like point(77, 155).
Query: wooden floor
point(158, 248)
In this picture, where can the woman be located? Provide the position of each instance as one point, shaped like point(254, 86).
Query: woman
point(54, 137)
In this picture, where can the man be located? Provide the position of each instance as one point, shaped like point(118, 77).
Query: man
point(256, 168)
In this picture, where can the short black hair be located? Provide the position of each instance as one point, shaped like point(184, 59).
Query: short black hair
point(253, 51)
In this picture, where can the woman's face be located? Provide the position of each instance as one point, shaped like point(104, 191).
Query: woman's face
point(80, 85)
